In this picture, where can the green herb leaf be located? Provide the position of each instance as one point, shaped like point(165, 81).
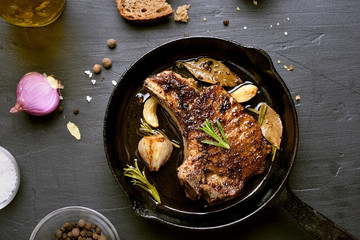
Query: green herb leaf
point(148, 131)
point(253, 110)
point(274, 149)
point(140, 180)
point(262, 115)
point(208, 128)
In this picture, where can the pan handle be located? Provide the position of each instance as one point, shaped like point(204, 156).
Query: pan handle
point(310, 219)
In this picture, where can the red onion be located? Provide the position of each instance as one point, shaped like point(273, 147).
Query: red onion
point(37, 94)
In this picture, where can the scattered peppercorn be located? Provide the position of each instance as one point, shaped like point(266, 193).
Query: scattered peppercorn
point(106, 62)
point(226, 22)
point(81, 230)
point(97, 68)
point(76, 111)
point(60, 109)
point(111, 43)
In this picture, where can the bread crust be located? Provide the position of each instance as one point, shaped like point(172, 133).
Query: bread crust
point(144, 11)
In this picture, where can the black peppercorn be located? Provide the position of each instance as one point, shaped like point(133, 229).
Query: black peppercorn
point(66, 225)
point(106, 62)
point(76, 110)
point(80, 230)
point(81, 223)
point(226, 22)
point(60, 109)
point(111, 43)
point(98, 230)
point(95, 236)
point(58, 234)
point(102, 237)
point(97, 68)
point(75, 232)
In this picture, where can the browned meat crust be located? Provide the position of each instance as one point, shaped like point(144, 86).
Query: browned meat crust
point(214, 173)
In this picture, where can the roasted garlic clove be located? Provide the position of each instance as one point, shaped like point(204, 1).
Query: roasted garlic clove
point(155, 151)
point(245, 93)
point(271, 126)
point(149, 112)
point(211, 71)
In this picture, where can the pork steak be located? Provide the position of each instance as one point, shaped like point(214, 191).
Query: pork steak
point(213, 173)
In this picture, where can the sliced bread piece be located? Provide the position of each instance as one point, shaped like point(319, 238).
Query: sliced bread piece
point(143, 11)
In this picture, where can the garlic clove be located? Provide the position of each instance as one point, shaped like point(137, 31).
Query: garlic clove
point(155, 151)
point(245, 93)
point(149, 112)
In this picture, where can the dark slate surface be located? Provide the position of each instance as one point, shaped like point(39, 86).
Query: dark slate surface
point(322, 44)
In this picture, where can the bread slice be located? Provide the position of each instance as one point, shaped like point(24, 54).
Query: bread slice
point(143, 11)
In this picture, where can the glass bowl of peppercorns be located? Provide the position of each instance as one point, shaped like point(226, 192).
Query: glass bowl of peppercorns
point(75, 222)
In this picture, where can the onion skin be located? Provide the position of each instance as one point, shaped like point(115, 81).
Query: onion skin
point(37, 94)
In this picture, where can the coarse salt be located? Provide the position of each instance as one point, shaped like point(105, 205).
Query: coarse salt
point(8, 177)
point(114, 82)
point(93, 81)
point(245, 27)
point(88, 98)
point(89, 73)
point(285, 33)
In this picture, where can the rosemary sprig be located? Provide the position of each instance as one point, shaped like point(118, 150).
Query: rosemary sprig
point(262, 115)
point(208, 128)
point(140, 180)
point(147, 130)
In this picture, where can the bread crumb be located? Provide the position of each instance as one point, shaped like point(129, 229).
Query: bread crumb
point(204, 19)
point(279, 61)
point(255, 2)
point(238, 8)
point(297, 98)
point(181, 14)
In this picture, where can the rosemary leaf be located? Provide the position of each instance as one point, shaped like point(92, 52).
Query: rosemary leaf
point(140, 180)
point(147, 130)
point(208, 128)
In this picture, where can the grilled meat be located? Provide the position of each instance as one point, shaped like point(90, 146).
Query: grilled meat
point(213, 173)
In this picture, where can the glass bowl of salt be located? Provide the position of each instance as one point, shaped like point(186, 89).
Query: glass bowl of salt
point(9, 177)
